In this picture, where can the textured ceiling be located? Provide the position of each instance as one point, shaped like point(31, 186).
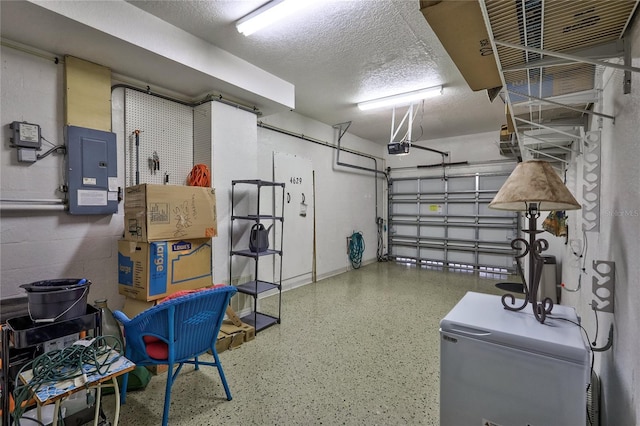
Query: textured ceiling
point(335, 52)
point(339, 52)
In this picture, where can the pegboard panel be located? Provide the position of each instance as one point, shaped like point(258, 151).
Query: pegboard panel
point(166, 128)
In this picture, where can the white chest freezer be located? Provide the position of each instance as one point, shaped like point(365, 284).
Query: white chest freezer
point(504, 368)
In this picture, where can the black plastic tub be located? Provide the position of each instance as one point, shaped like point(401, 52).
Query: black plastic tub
point(57, 300)
point(53, 285)
point(25, 333)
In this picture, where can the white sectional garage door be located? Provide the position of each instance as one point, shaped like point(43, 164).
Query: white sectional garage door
point(445, 221)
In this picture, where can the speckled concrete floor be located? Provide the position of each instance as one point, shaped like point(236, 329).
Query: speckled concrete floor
point(361, 348)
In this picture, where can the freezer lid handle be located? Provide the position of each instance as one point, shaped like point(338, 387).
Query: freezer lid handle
point(469, 331)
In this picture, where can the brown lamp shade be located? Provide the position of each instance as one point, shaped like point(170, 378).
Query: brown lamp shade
point(534, 181)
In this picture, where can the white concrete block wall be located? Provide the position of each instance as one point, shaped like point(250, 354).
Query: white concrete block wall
point(39, 245)
point(344, 197)
point(618, 240)
point(45, 245)
point(478, 148)
point(31, 91)
point(234, 157)
point(235, 146)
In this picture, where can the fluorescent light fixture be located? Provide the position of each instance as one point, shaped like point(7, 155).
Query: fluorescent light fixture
point(268, 14)
point(401, 99)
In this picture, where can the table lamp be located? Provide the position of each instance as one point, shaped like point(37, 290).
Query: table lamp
point(532, 187)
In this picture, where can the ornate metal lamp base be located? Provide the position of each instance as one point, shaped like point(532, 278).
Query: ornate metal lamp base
point(534, 247)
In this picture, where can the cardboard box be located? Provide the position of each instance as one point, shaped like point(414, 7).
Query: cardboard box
point(233, 340)
point(509, 118)
point(158, 368)
point(227, 341)
point(505, 134)
point(169, 212)
point(150, 271)
point(231, 315)
point(460, 27)
point(248, 332)
point(556, 81)
point(535, 87)
point(133, 307)
point(223, 343)
point(233, 332)
point(572, 78)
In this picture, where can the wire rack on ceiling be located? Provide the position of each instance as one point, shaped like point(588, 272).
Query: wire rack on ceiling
point(551, 57)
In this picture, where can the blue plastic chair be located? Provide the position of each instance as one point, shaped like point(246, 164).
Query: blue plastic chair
point(186, 327)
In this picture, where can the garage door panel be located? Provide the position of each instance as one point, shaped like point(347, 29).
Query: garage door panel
point(434, 231)
point(451, 220)
point(431, 185)
point(432, 221)
point(405, 252)
point(460, 258)
point(406, 230)
point(498, 235)
point(406, 186)
point(462, 234)
point(462, 209)
point(462, 184)
point(497, 222)
point(491, 183)
point(486, 211)
point(405, 208)
point(432, 254)
point(496, 261)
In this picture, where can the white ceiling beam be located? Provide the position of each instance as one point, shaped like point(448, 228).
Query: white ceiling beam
point(570, 135)
point(546, 155)
point(572, 108)
point(126, 22)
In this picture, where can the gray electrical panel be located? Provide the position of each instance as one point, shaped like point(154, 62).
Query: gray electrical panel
point(92, 171)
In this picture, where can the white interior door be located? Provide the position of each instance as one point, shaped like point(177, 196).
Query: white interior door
point(297, 247)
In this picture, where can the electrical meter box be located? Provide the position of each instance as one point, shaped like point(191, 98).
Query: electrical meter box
point(25, 135)
point(92, 171)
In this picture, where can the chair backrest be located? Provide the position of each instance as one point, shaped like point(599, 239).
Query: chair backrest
point(188, 324)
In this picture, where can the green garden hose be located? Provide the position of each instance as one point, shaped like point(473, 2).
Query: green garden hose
point(356, 249)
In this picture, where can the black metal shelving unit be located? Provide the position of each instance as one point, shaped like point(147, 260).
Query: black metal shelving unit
point(257, 286)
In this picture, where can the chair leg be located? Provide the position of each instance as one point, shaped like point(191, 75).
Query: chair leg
point(224, 380)
point(167, 396)
point(123, 389)
point(196, 364)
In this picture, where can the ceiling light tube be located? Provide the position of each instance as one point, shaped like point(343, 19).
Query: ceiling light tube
point(403, 98)
point(268, 14)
